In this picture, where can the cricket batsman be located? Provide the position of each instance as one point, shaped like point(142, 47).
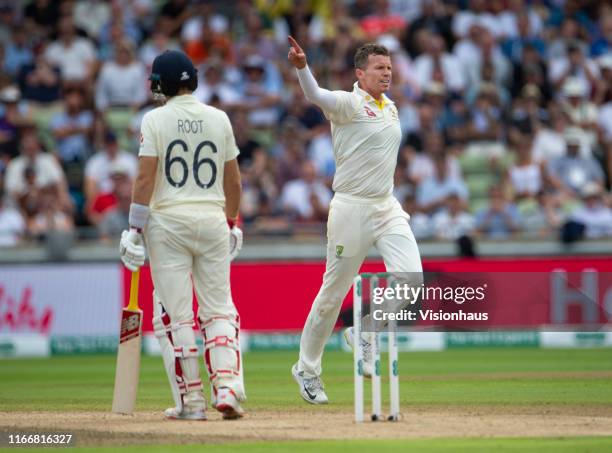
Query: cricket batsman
point(366, 136)
point(185, 204)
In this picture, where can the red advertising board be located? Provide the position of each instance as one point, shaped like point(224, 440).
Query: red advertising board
point(276, 296)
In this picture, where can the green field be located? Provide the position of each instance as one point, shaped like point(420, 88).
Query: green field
point(490, 382)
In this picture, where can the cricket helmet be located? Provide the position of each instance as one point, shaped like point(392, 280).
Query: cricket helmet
point(171, 71)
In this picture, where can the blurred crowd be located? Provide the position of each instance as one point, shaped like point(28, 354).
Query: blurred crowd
point(505, 109)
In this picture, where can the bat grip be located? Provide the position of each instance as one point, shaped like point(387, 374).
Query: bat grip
point(133, 305)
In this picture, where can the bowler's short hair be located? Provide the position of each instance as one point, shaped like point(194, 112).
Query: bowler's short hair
point(362, 54)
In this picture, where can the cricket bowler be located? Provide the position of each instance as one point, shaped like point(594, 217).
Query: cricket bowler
point(185, 202)
point(366, 137)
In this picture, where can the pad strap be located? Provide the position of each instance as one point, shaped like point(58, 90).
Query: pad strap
point(162, 326)
point(186, 351)
point(222, 341)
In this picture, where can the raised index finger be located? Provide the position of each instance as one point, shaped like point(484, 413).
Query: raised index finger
point(293, 43)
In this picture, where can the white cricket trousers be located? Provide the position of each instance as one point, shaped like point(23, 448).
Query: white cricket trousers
point(186, 245)
point(189, 250)
point(354, 225)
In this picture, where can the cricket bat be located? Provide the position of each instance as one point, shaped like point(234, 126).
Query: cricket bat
point(128, 354)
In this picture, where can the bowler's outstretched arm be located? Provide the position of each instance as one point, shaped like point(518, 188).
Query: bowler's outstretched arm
point(325, 99)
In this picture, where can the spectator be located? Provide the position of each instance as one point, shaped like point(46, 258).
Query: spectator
point(521, 20)
point(522, 37)
point(438, 65)
point(72, 127)
point(569, 34)
point(244, 140)
point(433, 191)
point(91, 15)
point(75, 56)
point(531, 70)
point(158, 43)
point(40, 82)
point(570, 173)
point(541, 216)
point(420, 223)
point(382, 21)
point(108, 48)
point(11, 121)
point(574, 66)
point(361, 8)
point(485, 129)
point(485, 53)
point(98, 179)
point(259, 190)
point(12, 225)
point(421, 166)
point(133, 129)
point(172, 16)
point(260, 92)
point(401, 186)
point(214, 85)
point(580, 112)
point(18, 53)
point(122, 82)
point(549, 141)
point(605, 112)
point(321, 153)
point(297, 108)
point(403, 69)
point(603, 44)
point(45, 171)
point(455, 120)
point(306, 198)
point(49, 217)
point(453, 221)
point(121, 24)
point(41, 16)
point(527, 115)
point(204, 35)
point(476, 13)
point(593, 214)
point(255, 39)
point(507, 75)
point(486, 78)
point(433, 18)
point(499, 219)
point(428, 122)
point(525, 177)
point(114, 219)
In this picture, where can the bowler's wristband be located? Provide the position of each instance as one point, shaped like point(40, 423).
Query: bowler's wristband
point(139, 214)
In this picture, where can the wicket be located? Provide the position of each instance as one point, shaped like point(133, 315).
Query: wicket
point(358, 297)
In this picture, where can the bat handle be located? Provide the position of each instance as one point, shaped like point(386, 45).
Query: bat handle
point(133, 305)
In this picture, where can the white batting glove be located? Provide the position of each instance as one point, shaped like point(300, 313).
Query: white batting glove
point(131, 249)
point(235, 239)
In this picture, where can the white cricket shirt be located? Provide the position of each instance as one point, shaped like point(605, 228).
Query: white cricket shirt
point(192, 141)
point(366, 137)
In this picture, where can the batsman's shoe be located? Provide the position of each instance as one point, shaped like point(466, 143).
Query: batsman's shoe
point(173, 413)
point(366, 347)
point(193, 409)
point(228, 404)
point(311, 389)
